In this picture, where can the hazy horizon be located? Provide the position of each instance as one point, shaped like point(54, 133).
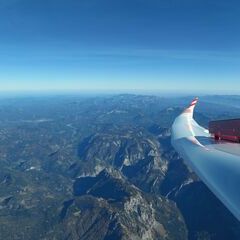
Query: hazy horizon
point(92, 93)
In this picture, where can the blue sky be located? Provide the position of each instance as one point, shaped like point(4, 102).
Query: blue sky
point(169, 45)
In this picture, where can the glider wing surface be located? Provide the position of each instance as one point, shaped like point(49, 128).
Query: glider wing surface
point(217, 163)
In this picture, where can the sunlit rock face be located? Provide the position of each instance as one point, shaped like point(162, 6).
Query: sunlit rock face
point(134, 152)
point(108, 206)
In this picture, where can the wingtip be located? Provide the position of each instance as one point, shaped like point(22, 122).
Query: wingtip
point(194, 102)
point(191, 107)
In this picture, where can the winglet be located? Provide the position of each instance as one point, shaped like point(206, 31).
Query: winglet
point(191, 107)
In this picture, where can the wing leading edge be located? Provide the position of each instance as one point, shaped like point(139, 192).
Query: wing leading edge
point(219, 170)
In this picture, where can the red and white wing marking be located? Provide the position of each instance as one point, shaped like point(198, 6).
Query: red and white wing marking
point(191, 107)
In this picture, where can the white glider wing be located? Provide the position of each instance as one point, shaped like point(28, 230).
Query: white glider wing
point(216, 163)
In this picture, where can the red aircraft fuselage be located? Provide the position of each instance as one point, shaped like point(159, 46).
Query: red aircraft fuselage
point(225, 129)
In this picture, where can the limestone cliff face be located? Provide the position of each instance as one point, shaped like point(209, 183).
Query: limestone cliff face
point(134, 152)
point(109, 207)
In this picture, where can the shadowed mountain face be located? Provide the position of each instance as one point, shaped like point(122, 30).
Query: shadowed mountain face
point(103, 168)
point(211, 212)
point(104, 186)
